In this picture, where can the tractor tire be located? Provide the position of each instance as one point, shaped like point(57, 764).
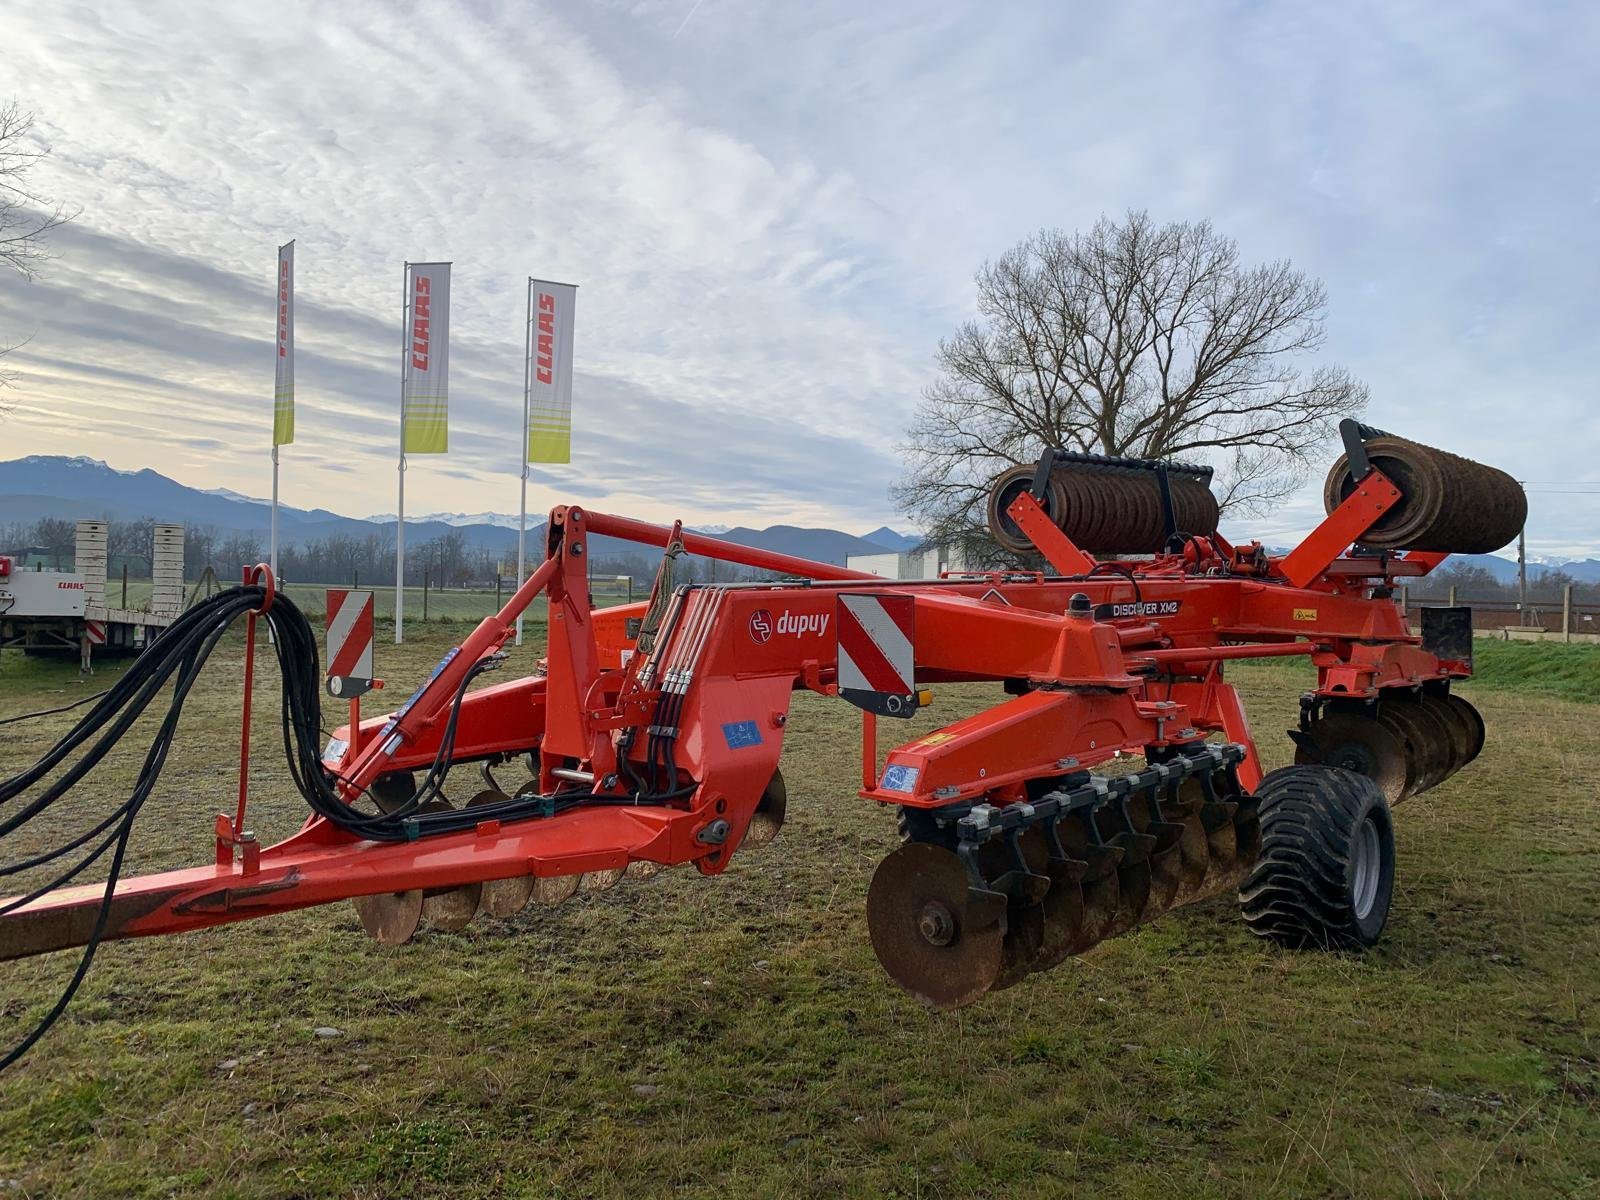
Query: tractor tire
point(1325, 874)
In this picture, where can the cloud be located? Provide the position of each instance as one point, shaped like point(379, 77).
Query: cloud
point(774, 212)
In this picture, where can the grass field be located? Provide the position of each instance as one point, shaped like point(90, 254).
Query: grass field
point(734, 1036)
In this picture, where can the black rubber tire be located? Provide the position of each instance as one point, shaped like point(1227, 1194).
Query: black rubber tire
point(1302, 891)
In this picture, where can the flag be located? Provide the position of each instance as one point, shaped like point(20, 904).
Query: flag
point(549, 415)
point(424, 409)
point(283, 391)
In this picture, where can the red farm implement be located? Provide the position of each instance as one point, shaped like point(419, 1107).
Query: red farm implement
point(653, 732)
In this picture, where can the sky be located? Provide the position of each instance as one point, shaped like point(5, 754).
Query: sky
point(774, 212)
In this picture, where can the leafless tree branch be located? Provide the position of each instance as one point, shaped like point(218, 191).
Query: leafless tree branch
point(26, 217)
point(1137, 339)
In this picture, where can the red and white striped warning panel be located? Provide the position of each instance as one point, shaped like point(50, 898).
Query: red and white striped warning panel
point(350, 634)
point(877, 652)
point(95, 631)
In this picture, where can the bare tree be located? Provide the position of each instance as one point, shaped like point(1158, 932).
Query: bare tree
point(1138, 339)
point(26, 217)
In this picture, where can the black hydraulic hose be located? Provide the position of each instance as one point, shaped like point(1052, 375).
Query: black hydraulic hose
point(50, 712)
point(177, 657)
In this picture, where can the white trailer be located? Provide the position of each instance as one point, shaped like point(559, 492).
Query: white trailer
point(62, 611)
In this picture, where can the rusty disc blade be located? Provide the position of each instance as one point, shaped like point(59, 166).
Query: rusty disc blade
point(1458, 727)
point(1099, 894)
point(502, 897)
point(935, 937)
point(767, 821)
point(643, 868)
point(390, 917)
point(600, 881)
point(551, 890)
point(1166, 863)
point(1222, 840)
point(1063, 910)
point(1194, 856)
point(451, 910)
point(506, 897)
point(1427, 743)
point(1133, 871)
point(1361, 744)
point(1474, 721)
point(1025, 921)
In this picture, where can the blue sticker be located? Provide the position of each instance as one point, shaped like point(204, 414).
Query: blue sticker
point(899, 779)
point(740, 734)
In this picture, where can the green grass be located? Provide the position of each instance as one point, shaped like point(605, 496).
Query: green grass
point(1570, 672)
point(733, 1035)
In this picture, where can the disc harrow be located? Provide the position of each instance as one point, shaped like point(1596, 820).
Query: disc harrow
point(975, 902)
point(653, 732)
point(1406, 742)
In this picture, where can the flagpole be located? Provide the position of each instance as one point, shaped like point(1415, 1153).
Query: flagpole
point(272, 557)
point(522, 513)
point(400, 516)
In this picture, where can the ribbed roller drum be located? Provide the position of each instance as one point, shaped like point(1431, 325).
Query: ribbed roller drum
point(1448, 503)
point(1103, 508)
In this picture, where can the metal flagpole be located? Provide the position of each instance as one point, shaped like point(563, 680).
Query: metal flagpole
point(522, 513)
point(400, 517)
point(273, 556)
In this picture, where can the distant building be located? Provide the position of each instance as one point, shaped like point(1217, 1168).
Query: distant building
point(925, 563)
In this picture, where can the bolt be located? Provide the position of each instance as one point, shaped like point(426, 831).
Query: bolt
point(937, 925)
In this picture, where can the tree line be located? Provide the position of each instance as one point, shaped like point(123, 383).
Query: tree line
point(449, 559)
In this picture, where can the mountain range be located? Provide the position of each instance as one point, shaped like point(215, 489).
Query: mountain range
point(49, 485)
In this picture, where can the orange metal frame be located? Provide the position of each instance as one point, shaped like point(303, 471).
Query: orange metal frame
point(1141, 669)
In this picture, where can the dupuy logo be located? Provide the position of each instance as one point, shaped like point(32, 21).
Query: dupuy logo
point(760, 625)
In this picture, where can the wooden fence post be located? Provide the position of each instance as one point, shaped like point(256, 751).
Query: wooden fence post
point(425, 580)
point(1566, 613)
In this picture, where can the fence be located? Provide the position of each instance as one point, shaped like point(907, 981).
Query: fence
point(1563, 616)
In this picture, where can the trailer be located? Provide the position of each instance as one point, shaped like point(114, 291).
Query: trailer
point(1115, 777)
point(64, 612)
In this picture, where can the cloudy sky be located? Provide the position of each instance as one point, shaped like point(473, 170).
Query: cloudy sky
point(774, 211)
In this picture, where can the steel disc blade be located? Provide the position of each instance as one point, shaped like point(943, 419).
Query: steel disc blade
point(767, 821)
point(390, 917)
point(1363, 745)
point(1425, 740)
point(1133, 880)
point(600, 881)
point(1473, 719)
point(452, 911)
point(551, 890)
point(643, 868)
point(1099, 891)
point(1458, 726)
point(501, 897)
point(1021, 945)
point(1166, 869)
point(1027, 925)
point(932, 936)
point(506, 897)
point(1194, 856)
point(1063, 910)
point(1222, 841)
